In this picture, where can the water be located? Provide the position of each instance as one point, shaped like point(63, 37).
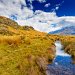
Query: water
point(59, 51)
point(62, 64)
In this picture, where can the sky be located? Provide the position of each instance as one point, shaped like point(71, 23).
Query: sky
point(63, 7)
point(43, 15)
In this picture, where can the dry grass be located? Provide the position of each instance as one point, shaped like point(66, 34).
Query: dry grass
point(10, 40)
point(25, 54)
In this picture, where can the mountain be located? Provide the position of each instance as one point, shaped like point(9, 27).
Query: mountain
point(65, 31)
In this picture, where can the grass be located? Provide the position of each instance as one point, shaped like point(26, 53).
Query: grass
point(21, 54)
point(25, 51)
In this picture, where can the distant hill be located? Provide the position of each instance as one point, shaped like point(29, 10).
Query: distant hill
point(9, 22)
point(65, 31)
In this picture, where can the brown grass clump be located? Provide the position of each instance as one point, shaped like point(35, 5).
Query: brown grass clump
point(10, 40)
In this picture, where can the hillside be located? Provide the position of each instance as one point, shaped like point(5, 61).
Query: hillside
point(25, 51)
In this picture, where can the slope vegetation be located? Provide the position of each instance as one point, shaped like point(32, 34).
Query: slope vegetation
point(23, 50)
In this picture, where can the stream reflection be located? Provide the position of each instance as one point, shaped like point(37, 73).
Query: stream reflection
point(62, 64)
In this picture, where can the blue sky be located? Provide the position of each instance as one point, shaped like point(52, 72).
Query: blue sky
point(66, 7)
point(43, 15)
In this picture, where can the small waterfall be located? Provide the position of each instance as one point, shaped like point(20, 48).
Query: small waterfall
point(59, 50)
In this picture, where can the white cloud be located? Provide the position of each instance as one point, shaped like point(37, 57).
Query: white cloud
point(68, 18)
point(57, 8)
point(40, 20)
point(47, 5)
point(14, 7)
point(41, 1)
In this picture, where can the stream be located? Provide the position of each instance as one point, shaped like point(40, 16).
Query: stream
point(62, 63)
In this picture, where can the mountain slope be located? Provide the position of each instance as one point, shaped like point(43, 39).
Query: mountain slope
point(65, 31)
point(9, 22)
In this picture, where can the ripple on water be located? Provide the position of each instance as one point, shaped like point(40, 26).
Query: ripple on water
point(61, 66)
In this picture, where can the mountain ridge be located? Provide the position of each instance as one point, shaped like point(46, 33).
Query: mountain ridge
point(65, 31)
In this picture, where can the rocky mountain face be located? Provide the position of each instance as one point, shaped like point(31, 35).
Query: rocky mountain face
point(65, 31)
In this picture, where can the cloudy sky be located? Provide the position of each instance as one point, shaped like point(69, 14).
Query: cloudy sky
point(43, 15)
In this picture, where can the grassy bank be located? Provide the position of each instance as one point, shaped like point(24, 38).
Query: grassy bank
point(69, 45)
point(25, 54)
